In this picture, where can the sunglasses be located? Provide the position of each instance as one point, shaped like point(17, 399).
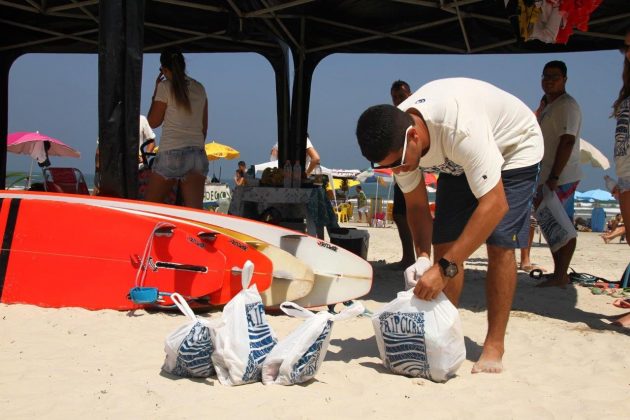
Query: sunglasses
point(398, 163)
point(552, 77)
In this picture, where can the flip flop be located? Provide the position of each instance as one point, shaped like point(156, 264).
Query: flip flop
point(531, 267)
point(536, 274)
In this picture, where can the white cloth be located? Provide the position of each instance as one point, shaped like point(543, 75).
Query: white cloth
point(307, 159)
point(622, 140)
point(562, 116)
point(180, 128)
point(474, 128)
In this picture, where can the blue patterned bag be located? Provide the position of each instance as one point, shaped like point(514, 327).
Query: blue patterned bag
point(297, 358)
point(243, 338)
point(189, 348)
point(419, 338)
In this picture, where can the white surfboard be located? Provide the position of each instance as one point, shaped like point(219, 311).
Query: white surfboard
point(339, 274)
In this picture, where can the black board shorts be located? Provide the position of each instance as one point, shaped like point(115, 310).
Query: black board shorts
point(455, 203)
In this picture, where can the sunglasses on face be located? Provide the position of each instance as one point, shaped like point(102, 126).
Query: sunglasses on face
point(400, 162)
point(552, 77)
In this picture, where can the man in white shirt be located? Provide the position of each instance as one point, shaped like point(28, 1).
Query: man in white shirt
point(560, 122)
point(487, 146)
point(311, 161)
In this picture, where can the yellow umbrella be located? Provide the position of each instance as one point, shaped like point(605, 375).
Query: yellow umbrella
point(216, 151)
point(338, 181)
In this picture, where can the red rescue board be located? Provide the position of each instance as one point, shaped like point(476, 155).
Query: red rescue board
point(56, 254)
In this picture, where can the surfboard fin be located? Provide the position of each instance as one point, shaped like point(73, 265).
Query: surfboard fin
point(209, 237)
point(166, 231)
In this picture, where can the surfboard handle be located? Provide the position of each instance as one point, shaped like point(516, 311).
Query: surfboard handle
point(166, 231)
point(184, 267)
point(209, 237)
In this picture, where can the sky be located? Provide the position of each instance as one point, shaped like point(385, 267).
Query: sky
point(57, 95)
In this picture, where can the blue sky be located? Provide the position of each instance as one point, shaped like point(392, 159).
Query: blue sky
point(57, 94)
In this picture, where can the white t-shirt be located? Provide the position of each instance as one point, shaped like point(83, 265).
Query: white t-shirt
point(474, 128)
point(145, 131)
point(562, 116)
point(180, 128)
point(307, 159)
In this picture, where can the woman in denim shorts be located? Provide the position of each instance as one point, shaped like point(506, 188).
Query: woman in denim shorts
point(180, 106)
point(621, 112)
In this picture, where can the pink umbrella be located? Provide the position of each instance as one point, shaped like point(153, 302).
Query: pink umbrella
point(33, 144)
point(28, 143)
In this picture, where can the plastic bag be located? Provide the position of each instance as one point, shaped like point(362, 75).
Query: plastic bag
point(420, 338)
point(297, 358)
point(243, 338)
point(189, 348)
point(554, 222)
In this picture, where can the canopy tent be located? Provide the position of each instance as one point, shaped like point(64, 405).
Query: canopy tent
point(310, 30)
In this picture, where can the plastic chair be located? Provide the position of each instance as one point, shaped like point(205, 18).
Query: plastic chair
point(342, 212)
point(65, 180)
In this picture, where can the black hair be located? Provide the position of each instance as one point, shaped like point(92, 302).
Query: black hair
point(400, 84)
point(557, 64)
point(173, 60)
point(241, 162)
point(381, 130)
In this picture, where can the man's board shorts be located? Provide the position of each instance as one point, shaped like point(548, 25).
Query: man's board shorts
point(455, 204)
point(177, 163)
point(623, 183)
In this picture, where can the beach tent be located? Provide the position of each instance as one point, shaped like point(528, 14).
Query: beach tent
point(298, 32)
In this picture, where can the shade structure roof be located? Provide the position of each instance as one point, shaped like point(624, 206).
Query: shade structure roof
point(304, 30)
point(315, 26)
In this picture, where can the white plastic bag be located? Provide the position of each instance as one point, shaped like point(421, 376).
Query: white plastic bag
point(554, 222)
point(189, 348)
point(244, 338)
point(420, 338)
point(297, 358)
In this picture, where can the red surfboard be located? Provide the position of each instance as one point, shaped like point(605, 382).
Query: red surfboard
point(56, 254)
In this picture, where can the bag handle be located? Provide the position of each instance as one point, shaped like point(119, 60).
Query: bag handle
point(295, 310)
point(181, 303)
point(351, 311)
point(246, 274)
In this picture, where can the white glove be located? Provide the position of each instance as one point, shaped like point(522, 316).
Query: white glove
point(415, 271)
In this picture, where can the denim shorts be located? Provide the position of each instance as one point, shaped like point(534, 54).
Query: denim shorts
point(177, 163)
point(455, 203)
point(623, 183)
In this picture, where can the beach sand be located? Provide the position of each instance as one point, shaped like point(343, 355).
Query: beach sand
point(563, 358)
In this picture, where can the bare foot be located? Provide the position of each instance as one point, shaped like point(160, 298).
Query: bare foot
point(623, 321)
point(490, 361)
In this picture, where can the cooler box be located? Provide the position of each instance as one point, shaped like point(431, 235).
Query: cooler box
point(354, 240)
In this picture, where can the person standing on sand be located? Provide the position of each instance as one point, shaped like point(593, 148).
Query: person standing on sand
point(560, 122)
point(462, 126)
point(400, 91)
point(621, 111)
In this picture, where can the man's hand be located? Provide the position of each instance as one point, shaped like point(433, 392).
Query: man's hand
point(430, 284)
point(552, 184)
point(415, 271)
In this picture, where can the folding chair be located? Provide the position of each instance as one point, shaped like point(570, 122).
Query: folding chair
point(65, 180)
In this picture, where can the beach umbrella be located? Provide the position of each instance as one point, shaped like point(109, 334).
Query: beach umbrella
point(595, 195)
point(338, 182)
point(216, 151)
point(590, 154)
point(34, 144)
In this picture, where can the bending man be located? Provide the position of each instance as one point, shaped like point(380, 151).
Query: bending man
point(462, 126)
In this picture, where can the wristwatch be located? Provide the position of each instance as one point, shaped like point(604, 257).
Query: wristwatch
point(449, 268)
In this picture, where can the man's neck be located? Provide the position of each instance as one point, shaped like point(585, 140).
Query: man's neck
point(553, 96)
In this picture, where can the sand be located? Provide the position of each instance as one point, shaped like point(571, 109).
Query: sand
point(563, 358)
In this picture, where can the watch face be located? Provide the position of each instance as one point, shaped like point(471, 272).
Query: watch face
point(451, 270)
